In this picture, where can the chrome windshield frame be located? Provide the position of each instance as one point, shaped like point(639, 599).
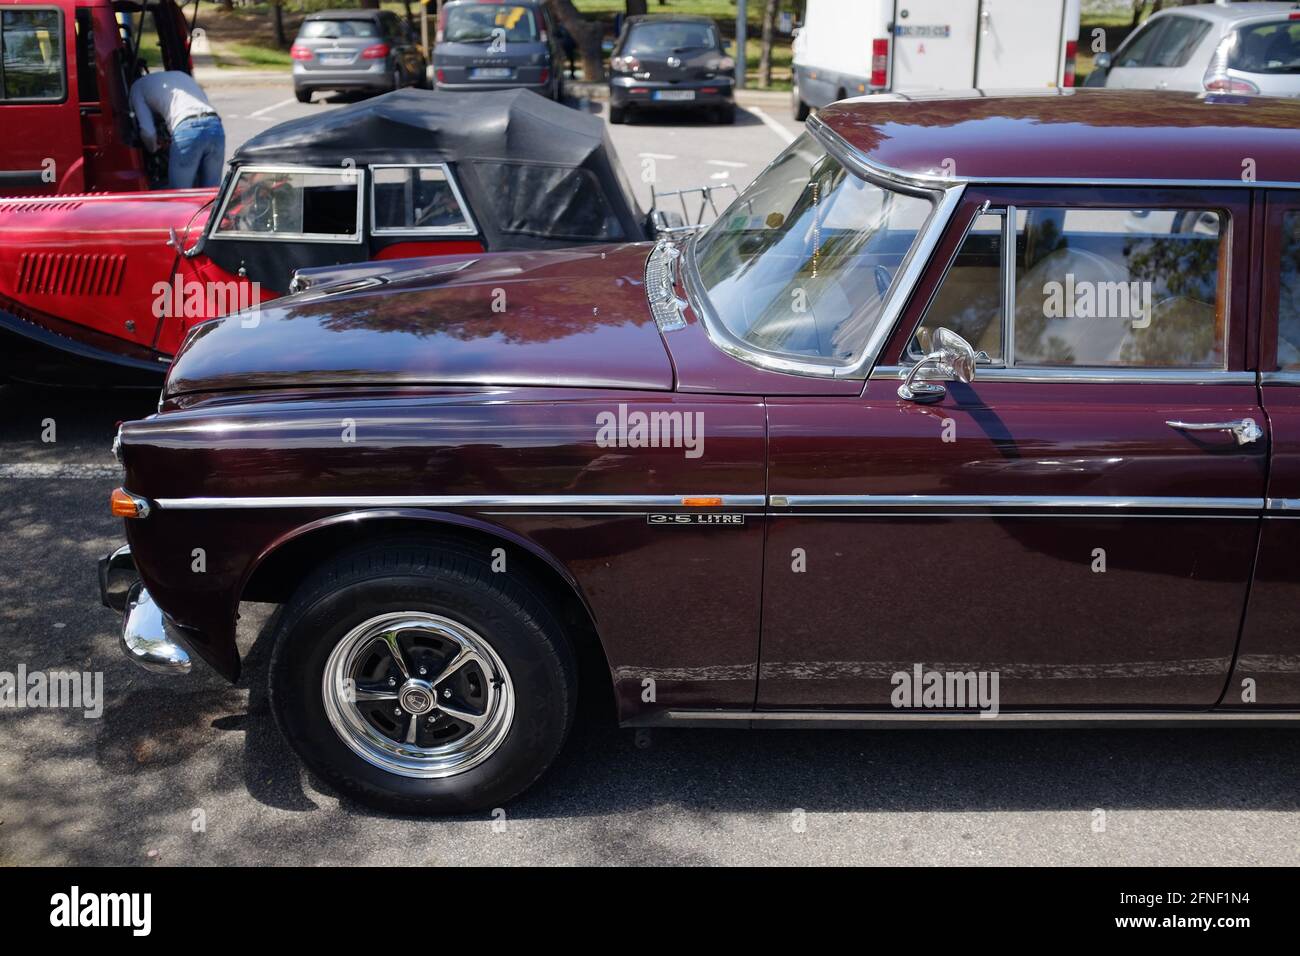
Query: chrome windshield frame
point(944, 195)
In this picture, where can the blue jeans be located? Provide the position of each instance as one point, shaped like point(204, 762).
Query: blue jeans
point(198, 153)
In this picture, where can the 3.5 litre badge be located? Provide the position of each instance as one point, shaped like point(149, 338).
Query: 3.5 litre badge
point(696, 518)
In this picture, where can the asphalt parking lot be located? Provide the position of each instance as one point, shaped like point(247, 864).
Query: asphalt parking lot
point(190, 770)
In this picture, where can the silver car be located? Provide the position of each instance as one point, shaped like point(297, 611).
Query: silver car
point(1221, 48)
point(371, 50)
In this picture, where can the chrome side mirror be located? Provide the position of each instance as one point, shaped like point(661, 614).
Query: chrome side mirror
point(1102, 61)
point(950, 354)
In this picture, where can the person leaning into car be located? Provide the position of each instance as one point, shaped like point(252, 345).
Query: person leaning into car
point(198, 140)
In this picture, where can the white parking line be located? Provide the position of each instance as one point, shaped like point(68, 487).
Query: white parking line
point(723, 162)
point(656, 155)
point(52, 470)
point(786, 136)
point(274, 106)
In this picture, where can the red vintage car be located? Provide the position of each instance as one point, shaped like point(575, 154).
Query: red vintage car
point(100, 289)
point(968, 412)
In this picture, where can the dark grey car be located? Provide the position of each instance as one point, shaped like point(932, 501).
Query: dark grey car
point(671, 61)
point(489, 45)
point(344, 50)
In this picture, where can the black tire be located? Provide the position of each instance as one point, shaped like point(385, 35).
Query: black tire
point(727, 114)
point(798, 108)
point(304, 96)
point(618, 115)
point(440, 578)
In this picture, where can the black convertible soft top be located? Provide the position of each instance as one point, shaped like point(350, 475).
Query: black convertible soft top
point(526, 165)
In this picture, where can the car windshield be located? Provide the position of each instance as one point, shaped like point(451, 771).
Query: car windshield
point(483, 23)
point(802, 262)
point(338, 29)
point(662, 37)
point(1272, 47)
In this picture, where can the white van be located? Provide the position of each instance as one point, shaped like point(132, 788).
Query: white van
point(850, 47)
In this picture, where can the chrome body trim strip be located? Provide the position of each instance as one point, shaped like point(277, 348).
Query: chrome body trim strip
point(454, 501)
point(1289, 377)
point(1067, 376)
point(1284, 504)
point(945, 196)
point(908, 720)
point(1037, 502)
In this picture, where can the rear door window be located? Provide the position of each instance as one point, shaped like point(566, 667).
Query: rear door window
point(1267, 48)
point(1141, 50)
point(417, 199)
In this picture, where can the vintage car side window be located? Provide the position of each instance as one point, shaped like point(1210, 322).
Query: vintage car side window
point(969, 299)
point(1121, 288)
point(32, 40)
point(1180, 38)
point(416, 199)
point(283, 203)
point(1288, 302)
point(803, 261)
point(555, 202)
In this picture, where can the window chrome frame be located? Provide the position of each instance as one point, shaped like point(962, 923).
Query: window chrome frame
point(468, 228)
point(944, 196)
point(343, 172)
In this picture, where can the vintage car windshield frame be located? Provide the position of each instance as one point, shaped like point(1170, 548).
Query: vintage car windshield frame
point(944, 197)
point(467, 228)
point(343, 172)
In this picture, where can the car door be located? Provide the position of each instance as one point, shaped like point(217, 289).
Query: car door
point(1081, 518)
point(1267, 672)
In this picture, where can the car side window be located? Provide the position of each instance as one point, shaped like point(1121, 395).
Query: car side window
point(34, 65)
point(1138, 52)
point(1121, 288)
point(416, 199)
point(321, 205)
point(969, 299)
point(1288, 304)
point(1178, 40)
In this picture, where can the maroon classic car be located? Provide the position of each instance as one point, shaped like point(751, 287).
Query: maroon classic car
point(967, 408)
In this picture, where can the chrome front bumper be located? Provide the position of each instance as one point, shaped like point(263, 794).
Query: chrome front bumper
point(148, 636)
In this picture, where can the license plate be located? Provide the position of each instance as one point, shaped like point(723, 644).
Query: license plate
point(675, 96)
point(491, 73)
point(336, 60)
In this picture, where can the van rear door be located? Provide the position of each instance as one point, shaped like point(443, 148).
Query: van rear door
point(1020, 44)
point(934, 44)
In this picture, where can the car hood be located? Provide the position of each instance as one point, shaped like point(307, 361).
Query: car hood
point(574, 318)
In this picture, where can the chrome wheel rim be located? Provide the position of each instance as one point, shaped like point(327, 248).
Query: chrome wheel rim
point(418, 694)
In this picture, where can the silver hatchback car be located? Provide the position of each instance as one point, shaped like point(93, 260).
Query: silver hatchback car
point(1220, 48)
point(340, 50)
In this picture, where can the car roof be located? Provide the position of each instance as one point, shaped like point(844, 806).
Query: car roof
point(1231, 13)
point(670, 18)
point(1080, 135)
point(343, 15)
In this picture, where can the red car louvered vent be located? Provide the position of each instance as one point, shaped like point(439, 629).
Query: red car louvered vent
point(58, 273)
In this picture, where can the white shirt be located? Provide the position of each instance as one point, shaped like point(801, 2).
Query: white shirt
point(173, 95)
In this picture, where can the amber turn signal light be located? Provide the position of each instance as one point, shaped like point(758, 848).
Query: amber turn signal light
point(123, 504)
point(702, 502)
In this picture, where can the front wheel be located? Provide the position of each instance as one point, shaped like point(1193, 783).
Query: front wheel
point(413, 678)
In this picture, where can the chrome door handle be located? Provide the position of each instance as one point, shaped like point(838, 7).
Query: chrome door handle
point(1245, 429)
